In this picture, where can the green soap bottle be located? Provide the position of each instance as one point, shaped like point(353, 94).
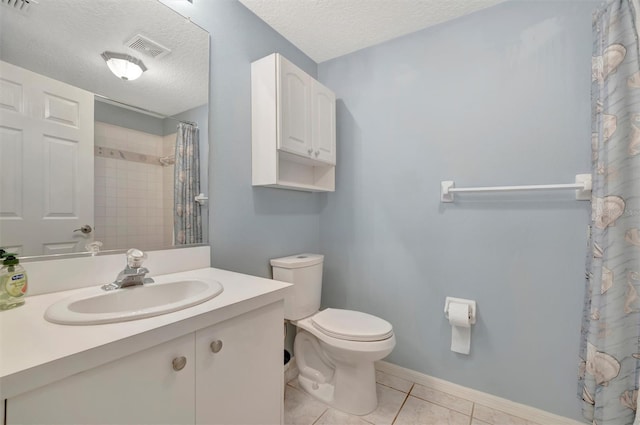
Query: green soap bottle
point(13, 282)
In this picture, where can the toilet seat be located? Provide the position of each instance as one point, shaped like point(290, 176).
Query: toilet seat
point(351, 325)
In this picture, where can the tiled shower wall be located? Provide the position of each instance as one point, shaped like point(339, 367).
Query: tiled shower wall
point(131, 197)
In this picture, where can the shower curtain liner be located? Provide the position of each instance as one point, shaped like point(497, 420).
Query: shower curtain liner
point(610, 349)
point(187, 218)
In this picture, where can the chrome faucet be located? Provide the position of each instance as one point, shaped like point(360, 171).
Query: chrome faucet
point(133, 274)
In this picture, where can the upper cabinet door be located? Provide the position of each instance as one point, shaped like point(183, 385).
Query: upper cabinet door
point(294, 110)
point(323, 124)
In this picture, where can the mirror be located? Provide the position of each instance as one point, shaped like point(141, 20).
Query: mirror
point(86, 156)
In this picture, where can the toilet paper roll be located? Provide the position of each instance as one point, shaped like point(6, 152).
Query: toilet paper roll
point(460, 327)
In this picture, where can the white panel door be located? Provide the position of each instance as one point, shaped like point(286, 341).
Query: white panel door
point(143, 388)
point(294, 109)
point(323, 123)
point(239, 369)
point(46, 163)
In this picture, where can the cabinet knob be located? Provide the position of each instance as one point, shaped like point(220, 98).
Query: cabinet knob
point(216, 346)
point(179, 363)
point(310, 151)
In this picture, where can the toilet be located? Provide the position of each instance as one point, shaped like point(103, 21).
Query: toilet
point(335, 349)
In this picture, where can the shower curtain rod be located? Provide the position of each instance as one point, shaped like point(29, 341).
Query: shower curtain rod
point(105, 99)
point(582, 186)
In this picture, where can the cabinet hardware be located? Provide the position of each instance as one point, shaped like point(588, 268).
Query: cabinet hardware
point(216, 346)
point(179, 363)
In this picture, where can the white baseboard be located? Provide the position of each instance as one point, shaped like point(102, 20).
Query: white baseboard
point(492, 401)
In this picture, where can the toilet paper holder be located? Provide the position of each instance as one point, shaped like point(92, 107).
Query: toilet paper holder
point(471, 303)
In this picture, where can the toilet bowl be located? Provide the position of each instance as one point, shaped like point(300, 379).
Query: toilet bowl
point(339, 369)
point(335, 349)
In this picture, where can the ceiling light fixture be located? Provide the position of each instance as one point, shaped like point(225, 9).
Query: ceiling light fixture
point(124, 66)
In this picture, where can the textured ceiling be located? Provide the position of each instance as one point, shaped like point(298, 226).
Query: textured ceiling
point(63, 39)
point(326, 29)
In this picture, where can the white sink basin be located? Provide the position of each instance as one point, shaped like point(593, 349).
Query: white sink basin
point(151, 299)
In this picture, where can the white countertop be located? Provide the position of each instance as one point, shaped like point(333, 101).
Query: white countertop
point(34, 352)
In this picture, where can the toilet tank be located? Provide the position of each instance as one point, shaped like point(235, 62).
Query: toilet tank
point(304, 271)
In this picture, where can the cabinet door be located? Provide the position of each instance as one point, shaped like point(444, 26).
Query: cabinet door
point(323, 124)
point(239, 371)
point(294, 109)
point(142, 388)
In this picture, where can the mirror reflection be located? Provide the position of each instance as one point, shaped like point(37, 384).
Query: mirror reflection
point(103, 127)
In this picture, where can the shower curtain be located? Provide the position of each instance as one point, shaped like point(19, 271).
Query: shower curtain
point(187, 218)
point(610, 348)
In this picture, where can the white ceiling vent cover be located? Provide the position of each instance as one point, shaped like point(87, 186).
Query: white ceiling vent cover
point(19, 5)
point(146, 46)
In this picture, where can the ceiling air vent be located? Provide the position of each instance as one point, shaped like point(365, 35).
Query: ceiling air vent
point(147, 46)
point(19, 5)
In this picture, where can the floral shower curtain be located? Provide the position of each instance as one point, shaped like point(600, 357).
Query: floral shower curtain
point(187, 218)
point(610, 348)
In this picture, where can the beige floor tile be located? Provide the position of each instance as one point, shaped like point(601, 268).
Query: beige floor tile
point(300, 408)
point(475, 421)
point(336, 417)
point(417, 411)
point(443, 399)
point(496, 417)
point(393, 381)
point(389, 403)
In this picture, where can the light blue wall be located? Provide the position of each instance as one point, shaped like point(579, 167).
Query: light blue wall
point(497, 97)
point(248, 226)
point(127, 118)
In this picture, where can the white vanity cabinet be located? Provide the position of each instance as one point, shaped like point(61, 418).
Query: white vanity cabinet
point(293, 127)
point(237, 380)
point(140, 388)
point(226, 373)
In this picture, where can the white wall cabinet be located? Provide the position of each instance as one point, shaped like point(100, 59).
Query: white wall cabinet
point(232, 374)
point(293, 127)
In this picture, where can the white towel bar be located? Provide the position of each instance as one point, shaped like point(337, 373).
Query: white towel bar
point(582, 186)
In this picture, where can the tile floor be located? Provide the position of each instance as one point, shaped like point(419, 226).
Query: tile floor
point(400, 402)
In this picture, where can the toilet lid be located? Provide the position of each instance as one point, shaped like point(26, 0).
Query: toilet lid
point(352, 325)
